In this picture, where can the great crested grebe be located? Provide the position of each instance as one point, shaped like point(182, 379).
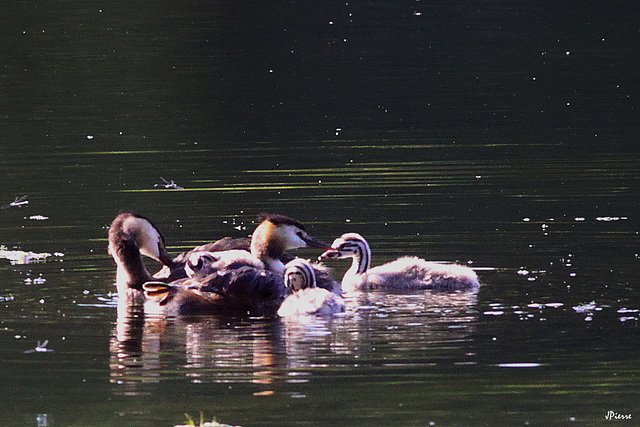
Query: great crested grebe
point(299, 276)
point(131, 236)
point(272, 237)
point(403, 273)
point(266, 249)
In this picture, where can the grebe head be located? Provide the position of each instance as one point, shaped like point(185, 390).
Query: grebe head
point(277, 234)
point(349, 245)
point(299, 274)
point(198, 261)
point(130, 231)
point(286, 232)
point(130, 237)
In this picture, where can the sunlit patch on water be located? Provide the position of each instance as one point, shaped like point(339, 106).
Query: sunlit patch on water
point(519, 365)
point(539, 311)
point(109, 300)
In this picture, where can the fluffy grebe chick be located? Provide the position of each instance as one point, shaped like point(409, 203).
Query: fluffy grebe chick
point(403, 273)
point(299, 276)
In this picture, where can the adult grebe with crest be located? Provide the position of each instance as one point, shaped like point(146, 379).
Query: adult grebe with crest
point(248, 275)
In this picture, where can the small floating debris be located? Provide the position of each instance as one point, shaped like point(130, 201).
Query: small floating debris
point(588, 307)
point(24, 257)
point(611, 218)
point(203, 423)
point(36, 281)
point(37, 218)
point(169, 184)
point(40, 348)
point(17, 203)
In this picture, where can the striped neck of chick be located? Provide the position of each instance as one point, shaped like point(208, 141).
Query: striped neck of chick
point(354, 246)
point(299, 274)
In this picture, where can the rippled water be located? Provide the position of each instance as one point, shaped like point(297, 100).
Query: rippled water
point(498, 135)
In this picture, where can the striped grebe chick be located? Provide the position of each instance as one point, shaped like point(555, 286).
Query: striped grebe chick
point(404, 273)
point(307, 298)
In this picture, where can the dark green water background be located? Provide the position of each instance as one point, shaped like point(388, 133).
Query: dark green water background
point(498, 133)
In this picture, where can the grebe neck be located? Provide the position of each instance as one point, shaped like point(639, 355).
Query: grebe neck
point(131, 271)
point(267, 247)
point(361, 254)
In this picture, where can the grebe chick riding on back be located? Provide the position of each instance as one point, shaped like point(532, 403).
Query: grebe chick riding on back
point(403, 273)
point(132, 235)
point(299, 276)
point(227, 279)
point(274, 235)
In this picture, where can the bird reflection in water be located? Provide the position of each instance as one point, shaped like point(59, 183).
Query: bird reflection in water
point(400, 322)
point(148, 349)
point(413, 328)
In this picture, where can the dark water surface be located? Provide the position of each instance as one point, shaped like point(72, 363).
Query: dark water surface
point(499, 134)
